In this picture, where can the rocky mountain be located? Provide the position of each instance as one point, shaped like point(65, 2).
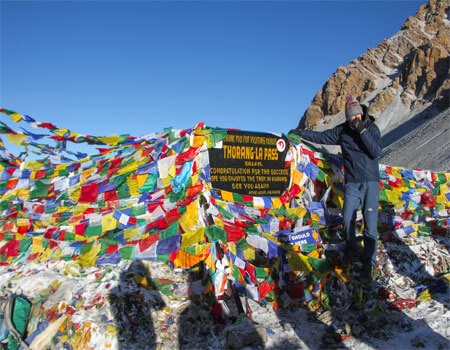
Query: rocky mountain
point(405, 76)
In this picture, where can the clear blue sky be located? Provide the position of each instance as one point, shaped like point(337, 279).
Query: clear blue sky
point(104, 67)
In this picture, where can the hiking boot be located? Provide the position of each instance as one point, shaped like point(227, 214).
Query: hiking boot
point(367, 274)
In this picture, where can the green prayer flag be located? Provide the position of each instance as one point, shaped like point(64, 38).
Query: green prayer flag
point(321, 176)
point(138, 210)
point(217, 135)
point(261, 272)
point(92, 231)
point(226, 214)
point(215, 233)
point(85, 248)
point(149, 184)
point(320, 265)
point(123, 192)
point(70, 236)
point(172, 230)
point(40, 190)
point(25, 244)
point(242, 244)
point(126, 252)
point(163, 257)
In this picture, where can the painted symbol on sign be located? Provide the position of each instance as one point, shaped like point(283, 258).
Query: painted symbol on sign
point(281, 145)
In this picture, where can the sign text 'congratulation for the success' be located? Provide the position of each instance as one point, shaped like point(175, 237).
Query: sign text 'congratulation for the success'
point(250, 163)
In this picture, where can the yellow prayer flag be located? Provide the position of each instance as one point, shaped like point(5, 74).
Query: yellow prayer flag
point(299, 212)
point(297, 177)
point(16, 139)
point(63, 209)
point(190, 219)
point(141, 179)
point(166, 181)
point(403, 189)
point(249, 254)
point(441, 198)
point(197, 140)
point(16, 117)
point(23, 193)
point(79, 238)
point(400, 204)
point(109, 223)
point(111, 140)
point(173, 170)
point(314, 254)
point(227, 196)
point(190, 238)
point(209, 261)
point(276, 203)
point(32, 165)
point(86, 173)
point(339, 201)
point(425, 295)
point(392, 196)
point(60, 131)
point(128, 168)
point(396, 173)
point(315, 217)
point(218, 222)
point(59, 169)
point(195, 176)
point(299, 262)
point(57, 254)
point(46, 255)
point(131, 233)
point(74, 195)
point(202, 248)
point(37, 247)
point(133, 186)
point(184, 259)
point(89, 258)
point(80, 208)
point(341, 274)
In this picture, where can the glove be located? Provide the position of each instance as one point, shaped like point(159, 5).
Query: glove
point(357, 125)
point(297, 132)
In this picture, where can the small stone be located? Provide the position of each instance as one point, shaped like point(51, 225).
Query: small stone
point(287, 327)
point(418, 343)
point(325, 317)
point(348, 328)
point(244, 336)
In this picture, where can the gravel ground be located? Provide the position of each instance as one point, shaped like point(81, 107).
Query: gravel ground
point(427, 146)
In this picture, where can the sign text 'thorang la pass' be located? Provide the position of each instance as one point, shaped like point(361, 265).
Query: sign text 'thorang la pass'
point(250, 163)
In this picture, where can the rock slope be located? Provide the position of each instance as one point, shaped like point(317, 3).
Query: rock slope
point(403, 76)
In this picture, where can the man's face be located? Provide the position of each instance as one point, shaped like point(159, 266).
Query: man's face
point(357, 116)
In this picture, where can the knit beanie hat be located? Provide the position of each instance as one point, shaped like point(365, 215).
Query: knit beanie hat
point(352, 107)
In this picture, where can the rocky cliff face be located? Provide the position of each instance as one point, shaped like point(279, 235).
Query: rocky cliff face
point(404, 75)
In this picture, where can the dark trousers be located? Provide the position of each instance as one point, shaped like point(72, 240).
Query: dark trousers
point(366, 195)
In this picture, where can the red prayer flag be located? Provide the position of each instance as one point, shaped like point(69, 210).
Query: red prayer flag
point(89, 193)
point(110, 196)
point(79, 229)
point(13, 248)
point(147, 242)
point(111, 249)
